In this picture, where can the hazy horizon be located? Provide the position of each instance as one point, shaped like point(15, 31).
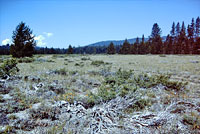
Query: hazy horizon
point(60, 23)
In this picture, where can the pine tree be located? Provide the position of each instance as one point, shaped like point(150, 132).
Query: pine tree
point(182, 42)
point(197, 28)
point(168, 45)
point(192, 28)
point(156, 40)
point(137, 47)
point(172, 38)
point(177, 29)
point(111, 49)
point(172, 32)
point(70, 50)
point(126, 48)
point(142, 46)
point(143, 38)
point(23, 42)
point(196, 49)
point(197, 46)
point(156, 31)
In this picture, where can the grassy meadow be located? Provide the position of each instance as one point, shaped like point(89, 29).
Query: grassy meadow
point(151, 94)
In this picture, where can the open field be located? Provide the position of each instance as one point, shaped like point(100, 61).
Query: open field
point(102, 94)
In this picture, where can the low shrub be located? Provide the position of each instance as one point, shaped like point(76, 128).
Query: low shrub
point(61, 71)
point(97, 63)
point(145, 81)
point(162, 55)
point(54, 56)
point(140, 104)
point(9, 67)
point(85, 58)
point(1, 99)
point(26, 60)
point(192, 119)
point(81, 64)
point(44, 112)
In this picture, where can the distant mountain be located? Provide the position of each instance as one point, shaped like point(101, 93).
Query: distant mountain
point(116, 42)
point(119, 42)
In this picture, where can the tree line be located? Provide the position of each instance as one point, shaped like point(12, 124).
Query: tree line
point(181, 40)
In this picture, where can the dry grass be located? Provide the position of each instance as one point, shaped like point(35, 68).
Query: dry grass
point(75, 74)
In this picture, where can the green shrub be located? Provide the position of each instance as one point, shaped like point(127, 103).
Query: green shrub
point(9, 67)
point(54, 56)
point(1, 99)
point(125, 89)
point(61, 71)
point(162, 55)
point(50, 61)
point(97, 63)
point(26, 60)
point(106, 93)
point(81, 64)
point(124, 74)
point(146, 81)
point(58, 129)
point(92, 99)
point(73, 72)
point(85, 58)
point(8, 129)
point(116, 85)
point(140, 104)
point(126, 82)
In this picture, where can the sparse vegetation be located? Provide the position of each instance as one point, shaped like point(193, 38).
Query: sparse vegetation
point(61, 71)
point(193, 119)
point(97, 63)
point(26, 60)
point(85, 58)
point(50, 92)
point(9, 67)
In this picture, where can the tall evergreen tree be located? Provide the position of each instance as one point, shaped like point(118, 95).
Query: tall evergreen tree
point(196, 49)
point(172, 32)
point(182, 42)
point(177, 29)
point(70, 50)
point(111, 49)
point(23, 42)
point(156, 31)
point(191, 36)
point(168, 48)
point(142, 46)
point(137, 46)
point(126, 48)
point(143, 38)
point(197, 27)
point(172, 39)
point(192, 28)
point(156, 40)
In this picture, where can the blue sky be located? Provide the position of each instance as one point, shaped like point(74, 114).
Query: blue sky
point(58, 23)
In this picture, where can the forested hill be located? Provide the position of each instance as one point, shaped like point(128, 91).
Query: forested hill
point(115, 42)
point(120, 42)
